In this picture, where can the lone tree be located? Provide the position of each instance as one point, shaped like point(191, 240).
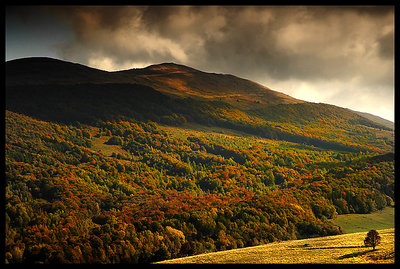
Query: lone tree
point(373, 239)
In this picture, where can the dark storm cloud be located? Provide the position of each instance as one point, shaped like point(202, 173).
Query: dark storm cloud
point(282, 42)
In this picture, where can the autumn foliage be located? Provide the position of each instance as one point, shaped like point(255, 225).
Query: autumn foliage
point(173, 192)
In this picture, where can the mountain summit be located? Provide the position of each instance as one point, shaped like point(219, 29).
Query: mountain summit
point(180, 80)
point(171, 68)
point(168, 78)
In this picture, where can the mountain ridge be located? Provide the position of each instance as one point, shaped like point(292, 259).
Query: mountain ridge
point(169, 78)
point(180, 81)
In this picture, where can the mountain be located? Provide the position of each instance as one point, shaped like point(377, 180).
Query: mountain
point(166, 161)
point(169, 78)
point(174, 94)
point(184, 81)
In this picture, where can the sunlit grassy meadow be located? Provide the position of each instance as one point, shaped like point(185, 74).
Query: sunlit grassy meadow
point(353, 223)
point(343, 249)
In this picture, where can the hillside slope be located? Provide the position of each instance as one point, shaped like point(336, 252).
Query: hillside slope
point(384, 122)
point(337, 249)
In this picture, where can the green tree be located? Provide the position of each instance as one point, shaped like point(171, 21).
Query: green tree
point(373, 239)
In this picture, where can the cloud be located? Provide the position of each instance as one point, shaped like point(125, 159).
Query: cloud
point(280, 42)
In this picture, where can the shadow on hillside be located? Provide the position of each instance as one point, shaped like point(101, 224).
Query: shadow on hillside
point(337, 247)
point(355, 254)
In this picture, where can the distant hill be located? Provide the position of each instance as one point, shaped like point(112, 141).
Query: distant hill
point(384, 122)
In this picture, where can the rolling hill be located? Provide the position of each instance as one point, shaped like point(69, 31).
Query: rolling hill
point(151, 164)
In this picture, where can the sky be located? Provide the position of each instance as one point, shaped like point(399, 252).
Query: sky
point(340, 55)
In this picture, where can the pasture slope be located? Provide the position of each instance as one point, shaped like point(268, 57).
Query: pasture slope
point(378, 220)
point(337, 249)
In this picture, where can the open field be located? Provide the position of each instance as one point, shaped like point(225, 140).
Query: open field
point(99, 144)
point(354, 223)
point(344, 249)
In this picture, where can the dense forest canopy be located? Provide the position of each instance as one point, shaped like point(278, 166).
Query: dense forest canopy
point(119, 172)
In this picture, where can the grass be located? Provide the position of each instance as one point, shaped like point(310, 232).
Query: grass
point(99, 144)
point(338, 249)
point(353, 223)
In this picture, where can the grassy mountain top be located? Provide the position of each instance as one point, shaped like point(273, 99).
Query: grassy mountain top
point(171, 68)
point(169, 78)
point(185, 81)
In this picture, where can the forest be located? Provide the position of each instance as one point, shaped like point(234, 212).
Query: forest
point(172, 192)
